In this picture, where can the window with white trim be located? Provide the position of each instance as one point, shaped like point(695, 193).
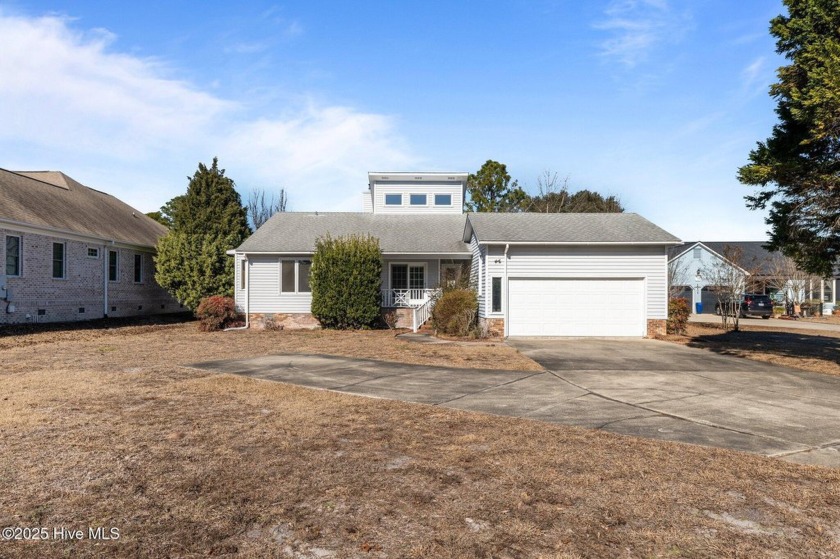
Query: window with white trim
point(408, 276)
point(393, 199)
point(294, 276)
point(93, 252)
point(59, 263)
point(13, 255)
point(243, 267)
point(418, 199)
point(443, 199)
point(496, 295)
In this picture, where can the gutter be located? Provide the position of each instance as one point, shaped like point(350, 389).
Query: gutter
point(583, 243)
point(247, 298)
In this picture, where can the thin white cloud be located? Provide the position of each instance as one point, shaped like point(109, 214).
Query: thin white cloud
point(71, 96)
point(636, 27)
point(755, 77)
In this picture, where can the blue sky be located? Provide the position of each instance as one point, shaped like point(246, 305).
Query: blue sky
point(655, 101)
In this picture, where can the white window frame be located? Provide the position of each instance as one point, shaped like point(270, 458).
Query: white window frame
point(134, 269)
point(449, 205)
point(501, 295)
point(243, 270)
point(425, 203)
point(385, 199)
point(297, 276)
point(95, 256)
point(408, 273)
point(20, 256)
point(116, 267)
point(63, 260)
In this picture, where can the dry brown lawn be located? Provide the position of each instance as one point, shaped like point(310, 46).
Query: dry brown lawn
point(810, 350)
point(107, 429)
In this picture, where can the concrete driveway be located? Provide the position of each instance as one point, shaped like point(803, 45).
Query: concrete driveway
point(644, 388)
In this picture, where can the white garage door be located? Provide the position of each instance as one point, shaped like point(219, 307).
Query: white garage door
point(576, 307)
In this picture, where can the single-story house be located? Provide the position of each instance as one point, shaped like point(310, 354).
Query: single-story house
point(535, 274)
point(687, 261)
point(70, 252)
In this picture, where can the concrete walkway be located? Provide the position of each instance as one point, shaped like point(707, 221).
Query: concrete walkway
point(644, 388)
point(770, 323)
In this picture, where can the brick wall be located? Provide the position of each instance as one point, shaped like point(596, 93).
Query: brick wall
point(82, 287)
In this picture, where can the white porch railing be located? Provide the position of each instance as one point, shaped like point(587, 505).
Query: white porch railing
point(422, 313)
point(406, 298)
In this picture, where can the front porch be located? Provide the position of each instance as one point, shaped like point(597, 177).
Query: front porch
point(410, 288)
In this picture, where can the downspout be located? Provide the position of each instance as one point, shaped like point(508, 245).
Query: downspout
point(507, 246)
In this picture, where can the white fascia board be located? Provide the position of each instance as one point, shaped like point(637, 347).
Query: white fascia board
point(687, 250)
point(71, 235)
point(582, 243)
point(412, 254)
point(715, 254)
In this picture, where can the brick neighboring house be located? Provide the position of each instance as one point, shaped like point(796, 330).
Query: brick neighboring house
point(71, 253)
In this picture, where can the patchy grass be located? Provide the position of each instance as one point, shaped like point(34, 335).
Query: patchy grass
point(810, 350)
point(107, 429)
point(160, 343)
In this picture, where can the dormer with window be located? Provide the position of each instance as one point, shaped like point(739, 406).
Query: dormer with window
point(415, 193)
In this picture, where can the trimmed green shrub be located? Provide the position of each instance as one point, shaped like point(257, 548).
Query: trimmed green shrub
point(455, 312)
point(678, 311)
point(216, 312)
point(345, 279)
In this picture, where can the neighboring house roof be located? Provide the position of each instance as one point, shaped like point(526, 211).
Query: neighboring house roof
point(54, 201)
point(754, 257)
point(566, 228)
point(296, 232)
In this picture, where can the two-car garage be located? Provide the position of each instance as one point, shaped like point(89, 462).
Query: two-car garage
point(576, 307)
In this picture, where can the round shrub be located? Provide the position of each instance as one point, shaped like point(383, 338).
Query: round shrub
point(455, 312)
point(216, 312)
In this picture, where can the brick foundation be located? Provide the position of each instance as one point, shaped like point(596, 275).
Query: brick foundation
point(398, 317)
point(290, 321)
point(656, 327)
point(495, 327)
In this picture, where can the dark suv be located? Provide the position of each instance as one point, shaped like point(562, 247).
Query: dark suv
point(753, 304)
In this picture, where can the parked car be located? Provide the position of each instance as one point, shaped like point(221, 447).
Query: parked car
point(753, 304)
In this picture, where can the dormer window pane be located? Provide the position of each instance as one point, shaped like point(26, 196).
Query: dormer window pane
point(393, 199)
point(418, 199)
point(443, 199)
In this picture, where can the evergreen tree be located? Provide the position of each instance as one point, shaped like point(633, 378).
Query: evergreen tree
point(206, 222)
point(797, 169)
point(491, 190)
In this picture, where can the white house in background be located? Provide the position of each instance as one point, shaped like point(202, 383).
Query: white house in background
point(535, 274)
point(71, 253)
point(689, 259)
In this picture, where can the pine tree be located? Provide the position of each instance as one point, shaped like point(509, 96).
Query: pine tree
point(491, 190)
point(207, 221)
point(797, 169)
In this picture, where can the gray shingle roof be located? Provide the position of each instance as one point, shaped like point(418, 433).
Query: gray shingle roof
point(567, 228)
point(52, 199)
point(298, 231)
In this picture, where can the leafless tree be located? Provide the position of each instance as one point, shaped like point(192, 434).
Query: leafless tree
point(678, 278)
point(727, 279)
point(261, 206)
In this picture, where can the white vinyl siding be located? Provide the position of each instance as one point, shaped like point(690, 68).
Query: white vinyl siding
point(367, 201)
point(265, 287)
point(477, 272)
point(454, 189)
point(644, 262)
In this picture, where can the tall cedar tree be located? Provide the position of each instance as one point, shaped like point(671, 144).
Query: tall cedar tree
point(491, 190)
point(797, 169)
point(206, 222)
